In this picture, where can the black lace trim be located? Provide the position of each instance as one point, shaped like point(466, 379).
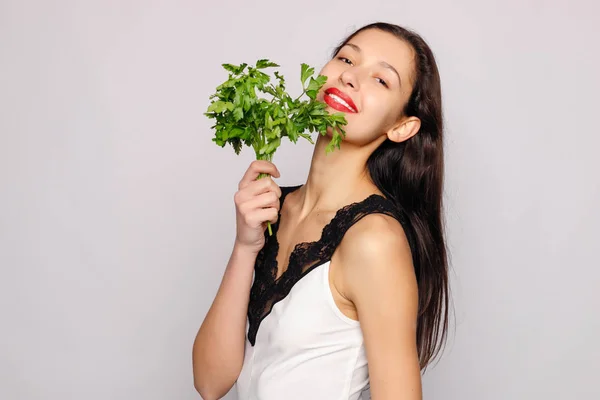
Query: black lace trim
point(266, 290)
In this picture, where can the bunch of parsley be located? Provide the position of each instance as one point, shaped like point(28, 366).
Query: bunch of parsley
point(245, 118)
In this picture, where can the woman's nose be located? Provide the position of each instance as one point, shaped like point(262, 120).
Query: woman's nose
point(349, 78)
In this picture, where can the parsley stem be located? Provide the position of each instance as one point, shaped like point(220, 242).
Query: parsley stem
point(302, 94)
point(260, 176)
point(267, 157)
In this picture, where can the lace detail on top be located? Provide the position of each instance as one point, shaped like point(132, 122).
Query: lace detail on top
point(266, 290)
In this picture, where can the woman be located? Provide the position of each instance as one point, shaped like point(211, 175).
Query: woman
point(351, 289)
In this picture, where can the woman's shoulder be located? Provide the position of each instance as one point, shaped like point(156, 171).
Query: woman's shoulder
point(374, 250)
point(375, 232)
point(376, 240)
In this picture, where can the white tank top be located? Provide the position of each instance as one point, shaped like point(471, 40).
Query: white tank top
point(306, 348)
point(300, 345)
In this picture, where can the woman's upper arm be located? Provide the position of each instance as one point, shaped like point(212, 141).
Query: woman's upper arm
point(378, 277)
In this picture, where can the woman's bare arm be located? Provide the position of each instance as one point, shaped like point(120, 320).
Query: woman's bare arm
point(218, 352)
point(379, 279)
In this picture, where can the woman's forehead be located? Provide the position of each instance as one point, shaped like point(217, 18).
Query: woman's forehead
point(384, 46)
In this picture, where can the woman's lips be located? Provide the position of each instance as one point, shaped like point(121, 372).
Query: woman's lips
point(338, 100)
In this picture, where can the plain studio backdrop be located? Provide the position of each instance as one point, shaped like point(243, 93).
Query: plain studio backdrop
point(117, 214)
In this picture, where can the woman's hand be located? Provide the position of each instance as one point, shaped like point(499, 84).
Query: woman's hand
point(256, 203)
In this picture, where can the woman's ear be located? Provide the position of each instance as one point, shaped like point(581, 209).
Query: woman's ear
point(404, 129)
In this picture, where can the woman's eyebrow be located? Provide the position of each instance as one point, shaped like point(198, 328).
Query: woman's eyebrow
point(382, 63)
point(388, 66)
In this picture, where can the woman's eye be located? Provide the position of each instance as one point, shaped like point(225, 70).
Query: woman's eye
point(382, 82)
point(344, 59)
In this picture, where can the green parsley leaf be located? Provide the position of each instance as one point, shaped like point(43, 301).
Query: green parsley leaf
point(305, 73)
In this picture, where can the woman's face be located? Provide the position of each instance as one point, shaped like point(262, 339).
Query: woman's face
point(372, 72)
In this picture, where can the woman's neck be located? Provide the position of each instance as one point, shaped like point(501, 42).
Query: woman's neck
point(336, 179)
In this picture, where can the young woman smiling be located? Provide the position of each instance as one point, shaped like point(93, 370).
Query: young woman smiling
point(351, 291)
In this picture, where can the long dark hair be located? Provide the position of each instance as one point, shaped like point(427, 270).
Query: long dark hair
point(410, 174)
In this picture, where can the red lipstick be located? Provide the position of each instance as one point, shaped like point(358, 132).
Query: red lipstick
point(336, 104)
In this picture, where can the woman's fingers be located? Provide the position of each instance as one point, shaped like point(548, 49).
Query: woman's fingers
point(256, 168)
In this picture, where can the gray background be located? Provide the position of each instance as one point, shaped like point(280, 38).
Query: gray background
point(116, 209)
